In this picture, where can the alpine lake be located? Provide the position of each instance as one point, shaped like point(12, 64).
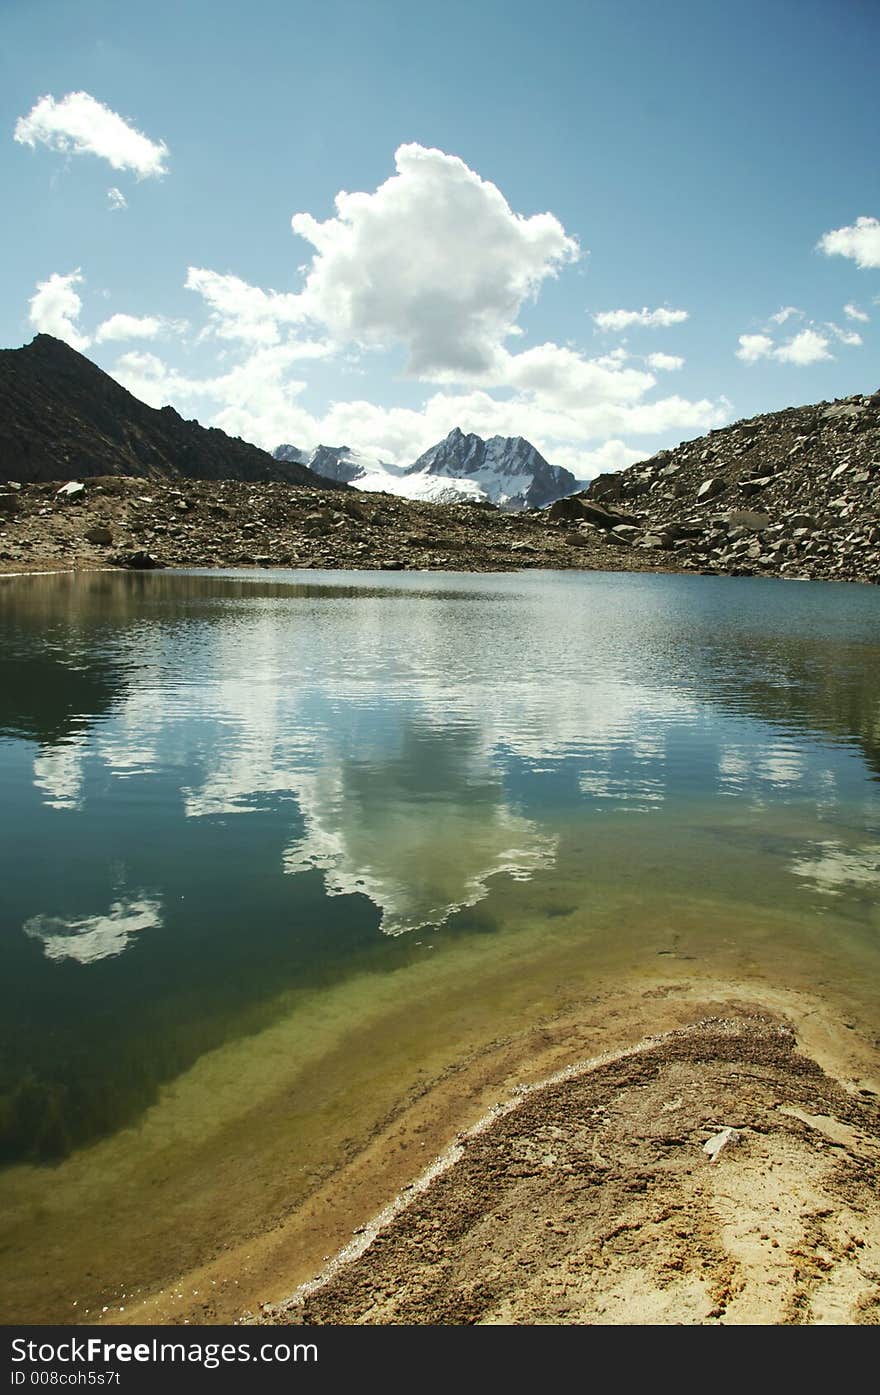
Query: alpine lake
point(278, 850)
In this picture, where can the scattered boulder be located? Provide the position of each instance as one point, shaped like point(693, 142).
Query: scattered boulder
point(755, 484)
point(576, 509)
point(567, 510)
point(751, 521)
point(139, 561)
point(607, 486)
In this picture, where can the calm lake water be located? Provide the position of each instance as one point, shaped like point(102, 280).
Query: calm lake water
point(244, 815)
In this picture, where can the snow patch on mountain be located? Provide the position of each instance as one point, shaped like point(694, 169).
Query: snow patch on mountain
point(505, 470)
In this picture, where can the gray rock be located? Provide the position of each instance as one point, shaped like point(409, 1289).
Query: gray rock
point(751, 521)
point(138, 561)
point(711, 488)
point(755, 484)
point(715, 1145)
point(576, 509)
point(608, 486)
point(99, 535)
point(843, 409)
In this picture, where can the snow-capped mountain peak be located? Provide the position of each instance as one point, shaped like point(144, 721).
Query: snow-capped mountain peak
point(508, 469)
point(505, 470)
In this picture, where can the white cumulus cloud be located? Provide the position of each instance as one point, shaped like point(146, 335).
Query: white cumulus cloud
point(754, 346)
point(129, 327)
point(81, 125)
point(665, 363)
point(652, 319)
point(149, 378)
point(243, 312)
point(564, 378)
point(853, 312)
point(809, 346)
point(806, 347)
point(560, 403)
point(860, 242)
point(55, 307)
point(435, 259)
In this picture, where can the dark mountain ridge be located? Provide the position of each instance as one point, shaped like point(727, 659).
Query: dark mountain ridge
point(62, 417)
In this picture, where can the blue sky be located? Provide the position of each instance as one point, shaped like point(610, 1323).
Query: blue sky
point(515, 171)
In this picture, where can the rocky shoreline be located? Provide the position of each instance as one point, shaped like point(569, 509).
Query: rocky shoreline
point(125, 522)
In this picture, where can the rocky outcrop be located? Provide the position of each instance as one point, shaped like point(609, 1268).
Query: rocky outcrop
point(793, 493)
point(61, 417)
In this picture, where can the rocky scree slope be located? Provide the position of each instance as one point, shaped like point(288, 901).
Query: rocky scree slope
point(199, 523)
point(793, 493)
point(62, 418)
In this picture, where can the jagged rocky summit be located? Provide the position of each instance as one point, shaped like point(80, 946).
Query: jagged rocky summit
point(62, 418)
point(505, 470)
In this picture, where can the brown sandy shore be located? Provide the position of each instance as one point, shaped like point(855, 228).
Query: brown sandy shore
point(573, 1187)
point(592, 1199)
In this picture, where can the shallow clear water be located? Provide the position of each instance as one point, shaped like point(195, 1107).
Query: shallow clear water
point(239, 805)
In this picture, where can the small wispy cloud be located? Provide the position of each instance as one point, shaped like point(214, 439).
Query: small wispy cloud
point(665, 363)
point(652, 319)
point(846, 336)
point(116, 199)
point(853, 312)
point(78, 124)
point(754, 346)
point(121, 326)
